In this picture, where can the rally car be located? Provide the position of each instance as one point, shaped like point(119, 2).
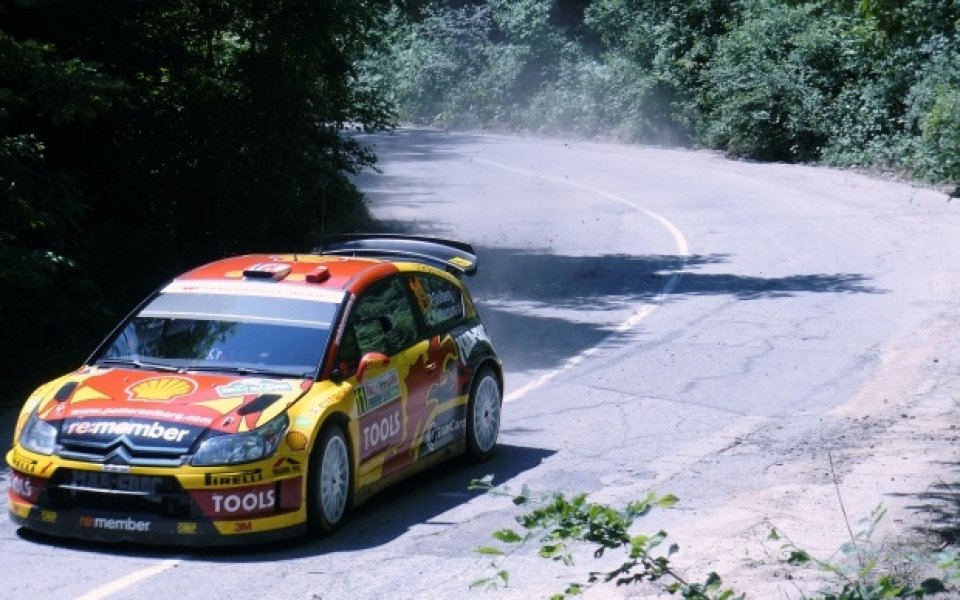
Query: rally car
point(263, 396)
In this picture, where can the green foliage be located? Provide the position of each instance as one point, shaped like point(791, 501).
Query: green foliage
point(769, 81)
point(138, 139)
point(870, 83)
point(561, 525)
point(446, 67)
point(48, 304)
point(864, 569)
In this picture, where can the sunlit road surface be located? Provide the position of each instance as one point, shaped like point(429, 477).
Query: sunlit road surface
point(669, 321)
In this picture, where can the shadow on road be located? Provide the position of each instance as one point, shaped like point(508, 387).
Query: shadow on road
point(938, 508)
point(511, 284)
point(420, 500)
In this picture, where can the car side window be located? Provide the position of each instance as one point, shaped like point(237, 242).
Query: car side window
point(440, 301)
point(382, 321)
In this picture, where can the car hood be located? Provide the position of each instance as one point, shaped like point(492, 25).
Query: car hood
point(164, 409)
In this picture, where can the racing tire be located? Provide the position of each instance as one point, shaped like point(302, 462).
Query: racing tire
point(483, 414)
point(330, 481)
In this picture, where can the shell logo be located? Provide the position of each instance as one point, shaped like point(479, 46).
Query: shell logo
point(160, 389)
point(296, 440)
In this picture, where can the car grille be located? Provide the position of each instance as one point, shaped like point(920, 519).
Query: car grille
point(159, 496)
point(122, 452)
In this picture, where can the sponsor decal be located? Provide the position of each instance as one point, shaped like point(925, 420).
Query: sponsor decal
point(248, 503)
point(297, 440)
point(19, 509)
point(444, 305)
point(441, 434)
point(116, 468)
point(161, 389)
point(461, 262)
point(145, 413)
point(286, 465)
point(251, 387)
point(23, 464)
point(242, 527)
point(48, 516)
point(239, 502)
point(24, 487)
point(247, 288)
point(273, 270)
point(128, 524)
point(361, 399)
point(143, 484)
point(379, 390)
point(155, 430)
point(467, 340)
point(380, 430)
point(187, 528)
point(233, 478)
point(416, 286)
point(438, 300)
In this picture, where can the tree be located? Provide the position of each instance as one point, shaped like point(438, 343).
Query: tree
point(144, 137)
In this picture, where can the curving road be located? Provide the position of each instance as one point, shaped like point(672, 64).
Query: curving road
point(753, 338)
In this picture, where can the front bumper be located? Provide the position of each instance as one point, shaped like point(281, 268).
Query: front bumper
point(107, 527)
point(215, 507)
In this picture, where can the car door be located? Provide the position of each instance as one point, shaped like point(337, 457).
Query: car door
point(385, 354)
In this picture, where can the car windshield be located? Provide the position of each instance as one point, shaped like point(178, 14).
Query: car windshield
point(247, 328)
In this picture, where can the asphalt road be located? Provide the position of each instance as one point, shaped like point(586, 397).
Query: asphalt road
point(669, 320)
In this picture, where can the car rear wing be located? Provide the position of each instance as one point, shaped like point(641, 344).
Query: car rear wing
point(458, 258)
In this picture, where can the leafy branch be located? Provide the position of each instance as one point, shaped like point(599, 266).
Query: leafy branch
point(560, 524)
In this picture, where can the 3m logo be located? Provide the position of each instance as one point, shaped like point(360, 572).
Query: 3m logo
point(242, 527)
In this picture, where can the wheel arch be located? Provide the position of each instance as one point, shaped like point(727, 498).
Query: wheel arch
point(484, 357)
point(335, 417)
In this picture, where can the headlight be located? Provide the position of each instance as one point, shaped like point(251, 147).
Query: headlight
point(38, 435)
point(242, 447)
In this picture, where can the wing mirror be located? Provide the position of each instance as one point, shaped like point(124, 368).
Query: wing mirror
point(371, 359)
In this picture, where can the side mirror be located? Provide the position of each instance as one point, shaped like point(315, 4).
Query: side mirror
point(371, 359)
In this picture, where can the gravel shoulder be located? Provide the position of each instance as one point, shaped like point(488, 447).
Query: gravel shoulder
point(893, 445)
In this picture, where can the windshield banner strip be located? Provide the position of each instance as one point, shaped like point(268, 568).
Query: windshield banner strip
point(167, 314)
point(247, 288)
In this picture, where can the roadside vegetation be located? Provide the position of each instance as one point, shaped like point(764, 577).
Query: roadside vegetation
point(864, 83)
point(568, 529)
point(138, 139)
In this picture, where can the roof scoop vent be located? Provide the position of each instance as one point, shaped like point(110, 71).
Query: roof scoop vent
point(268, 271)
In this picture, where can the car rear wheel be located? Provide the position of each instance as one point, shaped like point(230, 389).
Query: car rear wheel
point(330, 481)
point(483, 414)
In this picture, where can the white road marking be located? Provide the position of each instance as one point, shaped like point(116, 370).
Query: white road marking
point(644, 311)
point(130, 580)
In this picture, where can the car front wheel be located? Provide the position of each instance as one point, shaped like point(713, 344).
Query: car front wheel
point(330, 481)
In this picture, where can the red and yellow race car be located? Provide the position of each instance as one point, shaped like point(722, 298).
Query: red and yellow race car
point(263, 396)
